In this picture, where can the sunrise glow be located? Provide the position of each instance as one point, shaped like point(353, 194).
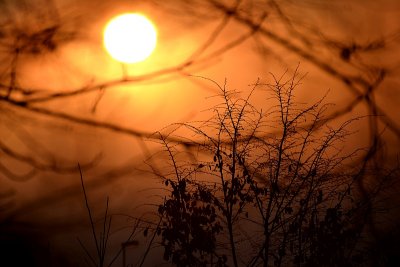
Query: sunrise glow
point(130, 38)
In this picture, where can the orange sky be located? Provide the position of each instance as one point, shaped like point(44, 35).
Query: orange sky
point(152, 104)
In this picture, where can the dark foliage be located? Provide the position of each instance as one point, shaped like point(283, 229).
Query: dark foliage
point(190, 225)
point(282, 199)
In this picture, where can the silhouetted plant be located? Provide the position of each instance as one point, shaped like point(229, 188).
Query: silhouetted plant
point(281, 198)
point(101, 240)
point(189, 222)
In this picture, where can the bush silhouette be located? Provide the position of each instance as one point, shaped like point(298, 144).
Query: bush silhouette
point(266, 188)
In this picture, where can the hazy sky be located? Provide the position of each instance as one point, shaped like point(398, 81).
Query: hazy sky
point(325, 39)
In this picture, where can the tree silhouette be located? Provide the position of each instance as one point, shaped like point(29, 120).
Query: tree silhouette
point(281, 200)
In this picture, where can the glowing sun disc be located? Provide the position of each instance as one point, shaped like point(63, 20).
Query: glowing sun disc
point(130, 38)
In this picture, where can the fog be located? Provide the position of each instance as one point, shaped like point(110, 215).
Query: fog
point(64, 101)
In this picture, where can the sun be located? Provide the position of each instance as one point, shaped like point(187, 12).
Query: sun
point(130, 37)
